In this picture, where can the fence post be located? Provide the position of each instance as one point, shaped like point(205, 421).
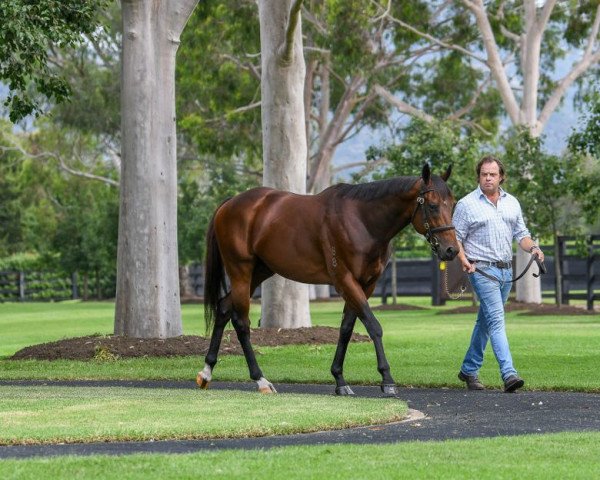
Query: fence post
point(74, 292)
point(564, 267)
point(394, 279)
point(21, 286)
point(589, 274)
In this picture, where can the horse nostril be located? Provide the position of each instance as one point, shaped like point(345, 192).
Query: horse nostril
point(451, 252)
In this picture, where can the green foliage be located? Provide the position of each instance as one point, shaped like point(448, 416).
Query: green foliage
point(28, 30)
point(438, 143)
point(69, 222)
point(211, 84)
point(552, 188)
point(23, 261)
point(587, 140)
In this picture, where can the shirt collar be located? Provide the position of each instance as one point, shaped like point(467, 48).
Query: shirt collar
point(481, 194)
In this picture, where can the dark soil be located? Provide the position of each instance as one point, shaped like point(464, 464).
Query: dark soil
point(111, 347)
point(529, 309)
point(397, 306)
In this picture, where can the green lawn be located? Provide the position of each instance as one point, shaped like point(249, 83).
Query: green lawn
point(50, 414)
point(545, 457)
point(424, 348)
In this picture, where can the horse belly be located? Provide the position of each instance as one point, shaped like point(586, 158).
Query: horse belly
point(290, 245)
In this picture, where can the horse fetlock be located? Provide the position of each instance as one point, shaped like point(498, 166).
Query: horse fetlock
point(264, 386)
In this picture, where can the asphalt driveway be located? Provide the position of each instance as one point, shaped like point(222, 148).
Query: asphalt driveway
point(438, 414)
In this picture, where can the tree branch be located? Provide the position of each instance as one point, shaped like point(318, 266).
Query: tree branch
point(589, 58)
point(63, 166)
point(402, 106)
point(287, 52)
point(243, 109)
point(493, 61)
point(441, 43)
point(249, 67)
point(471, 104)
point(542, 21)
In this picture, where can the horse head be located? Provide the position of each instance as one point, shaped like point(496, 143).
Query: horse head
point(435, 201)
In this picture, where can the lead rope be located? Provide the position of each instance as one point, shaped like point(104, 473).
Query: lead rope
point(463, 288)
point(453, 296)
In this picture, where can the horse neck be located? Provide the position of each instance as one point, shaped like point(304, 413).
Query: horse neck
point(387, 216)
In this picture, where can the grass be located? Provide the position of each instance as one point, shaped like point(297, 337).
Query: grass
point(91, 414)
point(557, 456)
point(424, 347)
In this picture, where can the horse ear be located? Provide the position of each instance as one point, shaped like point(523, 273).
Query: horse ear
point(426, 173)
point(447, 173)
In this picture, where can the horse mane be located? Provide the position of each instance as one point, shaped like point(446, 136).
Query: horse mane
point(374, 190)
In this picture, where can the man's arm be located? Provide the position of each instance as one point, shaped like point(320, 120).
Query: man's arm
point(462, 258)
point(530, 246)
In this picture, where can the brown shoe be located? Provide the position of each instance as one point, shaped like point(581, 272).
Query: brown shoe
point(472, 381)
point(512, 383)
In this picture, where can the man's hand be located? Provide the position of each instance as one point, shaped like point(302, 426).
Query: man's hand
point(467, 266)
point(537, 251)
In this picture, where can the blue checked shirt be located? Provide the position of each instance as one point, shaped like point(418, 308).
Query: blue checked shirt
point(485, 230)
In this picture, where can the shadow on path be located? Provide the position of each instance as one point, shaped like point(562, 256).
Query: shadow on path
point(449, 414)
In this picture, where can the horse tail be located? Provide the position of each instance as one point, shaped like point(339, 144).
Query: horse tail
point(214, 276)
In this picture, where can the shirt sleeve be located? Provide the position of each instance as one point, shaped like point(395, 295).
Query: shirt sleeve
point(459, 220)
point(520, 231)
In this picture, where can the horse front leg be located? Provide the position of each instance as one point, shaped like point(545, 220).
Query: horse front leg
point(204, 377)
point(337, 367)
point(357, 300)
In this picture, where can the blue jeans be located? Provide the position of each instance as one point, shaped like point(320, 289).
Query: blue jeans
point(490, 321)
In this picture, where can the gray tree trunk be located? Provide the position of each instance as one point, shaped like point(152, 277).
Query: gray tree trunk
point(285, 304)
point(147, 265)
point(528, 288)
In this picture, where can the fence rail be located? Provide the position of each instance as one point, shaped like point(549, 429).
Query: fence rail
point(27, 286)
point(414, 277)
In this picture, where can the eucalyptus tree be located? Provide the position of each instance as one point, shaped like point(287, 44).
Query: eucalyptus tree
point(148, 302)
point(284, 303)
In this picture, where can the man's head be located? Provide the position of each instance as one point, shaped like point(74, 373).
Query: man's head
point(490, 174)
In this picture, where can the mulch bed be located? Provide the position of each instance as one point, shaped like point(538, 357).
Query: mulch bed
point(528, 309)
point(112, 347)
point(398, 306)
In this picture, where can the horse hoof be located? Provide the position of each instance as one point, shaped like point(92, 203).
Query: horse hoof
point(201, 381)
point(343, 390)
point(267, 390)
point(389, 390)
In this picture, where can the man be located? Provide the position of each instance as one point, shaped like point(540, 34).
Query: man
point(486, 221)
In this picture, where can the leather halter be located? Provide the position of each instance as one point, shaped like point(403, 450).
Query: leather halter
point(429, 232)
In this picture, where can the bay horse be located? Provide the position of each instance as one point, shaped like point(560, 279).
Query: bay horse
point(339, 237)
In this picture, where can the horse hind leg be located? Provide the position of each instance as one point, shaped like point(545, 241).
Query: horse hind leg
point(204, 377)
point(241, 322)
point(242, 328)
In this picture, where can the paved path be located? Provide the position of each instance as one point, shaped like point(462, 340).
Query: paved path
point(448, 414)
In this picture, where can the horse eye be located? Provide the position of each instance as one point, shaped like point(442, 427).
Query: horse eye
point(434, 208)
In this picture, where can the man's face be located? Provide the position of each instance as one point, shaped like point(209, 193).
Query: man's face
point(489, 178)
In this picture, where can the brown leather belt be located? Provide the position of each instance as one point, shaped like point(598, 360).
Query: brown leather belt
point(493, 264)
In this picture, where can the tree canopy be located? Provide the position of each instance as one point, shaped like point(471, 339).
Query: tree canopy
point(28, 31)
